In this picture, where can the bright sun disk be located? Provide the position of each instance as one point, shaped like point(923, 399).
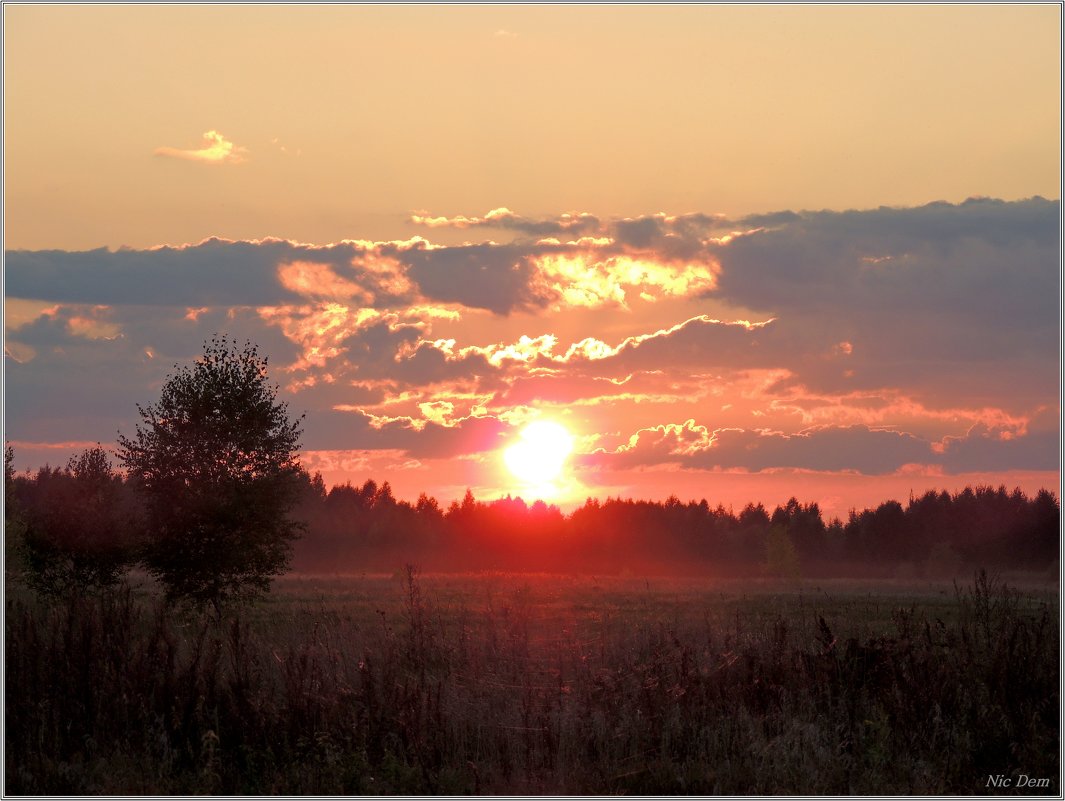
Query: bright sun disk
point(540, 452)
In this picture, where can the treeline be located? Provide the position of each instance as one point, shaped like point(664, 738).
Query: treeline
point(90, 514)
point(366, 528)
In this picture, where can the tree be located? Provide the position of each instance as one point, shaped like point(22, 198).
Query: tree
point(80, 529)
point(217, 461)
point(782, 560)
point(14, 520)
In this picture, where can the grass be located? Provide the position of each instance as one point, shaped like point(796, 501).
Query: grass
point(513, 684)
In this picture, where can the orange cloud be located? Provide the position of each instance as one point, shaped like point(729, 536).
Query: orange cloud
point(505, 219)
point(387, 273)
point(88, 323)
point(319, 281)
point(216, 149)
point(19, 312)
point(580, 279)
point(318, 330)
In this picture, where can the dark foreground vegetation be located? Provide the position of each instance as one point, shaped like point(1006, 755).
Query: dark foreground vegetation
point(511, 684)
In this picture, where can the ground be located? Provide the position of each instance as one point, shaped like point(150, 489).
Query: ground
point(517, 683)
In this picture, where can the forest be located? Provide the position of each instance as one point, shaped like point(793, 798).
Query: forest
point(360, 528)
point(363, 528)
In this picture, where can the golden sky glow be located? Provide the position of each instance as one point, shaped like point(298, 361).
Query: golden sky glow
point(741, 252)
point(352, 118)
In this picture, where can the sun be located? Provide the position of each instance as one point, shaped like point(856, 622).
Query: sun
point(540, 453)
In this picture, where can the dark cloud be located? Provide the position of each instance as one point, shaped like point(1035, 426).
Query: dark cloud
point(375, 348)
point(178, 334)
point(942, 301)
point(703, 343)
point(829, 448)
point(972, 260)
point(855, 448)
point(639, 233)
point(215, 272)
point(396, 352)
point(355, 431)
point(988, 449)
point(667, 238)
point(769, 219)
point(86, 385)
point(485, 276)
point(74, 388)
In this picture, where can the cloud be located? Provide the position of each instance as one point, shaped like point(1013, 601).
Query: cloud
point(423, 439)
point(487, 276)
point(940, 299)
point(215, 272)
point(388, 345)
point(829, 448)
point(506, 220)
point(563, 390)
point(584, 279)
point(670, 443)
point(393, 349)
point(999, 448)
point(215, 149)
point(860, 340)
point(855, 448)
point(74, 387)
point(313, 280)
point(698, 344)
point(971, 259)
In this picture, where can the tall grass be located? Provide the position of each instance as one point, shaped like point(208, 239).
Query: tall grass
point(528, 691)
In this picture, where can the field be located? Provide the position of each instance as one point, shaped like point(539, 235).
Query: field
point(513, 684)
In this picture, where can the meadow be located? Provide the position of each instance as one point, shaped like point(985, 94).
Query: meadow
point(503, 683)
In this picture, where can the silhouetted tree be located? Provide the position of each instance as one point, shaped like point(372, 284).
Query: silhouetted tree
point(80, 527)
point(804, 526)
point(14, 520)
point(781, 557)
point(751, 531)
point(216, 458)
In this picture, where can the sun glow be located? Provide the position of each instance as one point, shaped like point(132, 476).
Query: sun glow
point(539, 455)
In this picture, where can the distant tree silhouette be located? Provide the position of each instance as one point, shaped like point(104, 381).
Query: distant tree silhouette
point(216, 459)
point(14, 520)
point(751, 532)
point(221, 523)
point(781, 556)
point(804, 527)
point(938, 532)
point(80, 528)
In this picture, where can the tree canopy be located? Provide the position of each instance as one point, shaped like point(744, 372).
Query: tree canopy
point(79, 526)
point(216, 459)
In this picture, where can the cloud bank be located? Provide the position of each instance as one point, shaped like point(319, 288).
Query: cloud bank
point(857, 341)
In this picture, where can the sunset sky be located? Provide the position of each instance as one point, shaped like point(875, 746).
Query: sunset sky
point(738, 253)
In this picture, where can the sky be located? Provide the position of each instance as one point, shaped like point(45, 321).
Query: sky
point(738, 252)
